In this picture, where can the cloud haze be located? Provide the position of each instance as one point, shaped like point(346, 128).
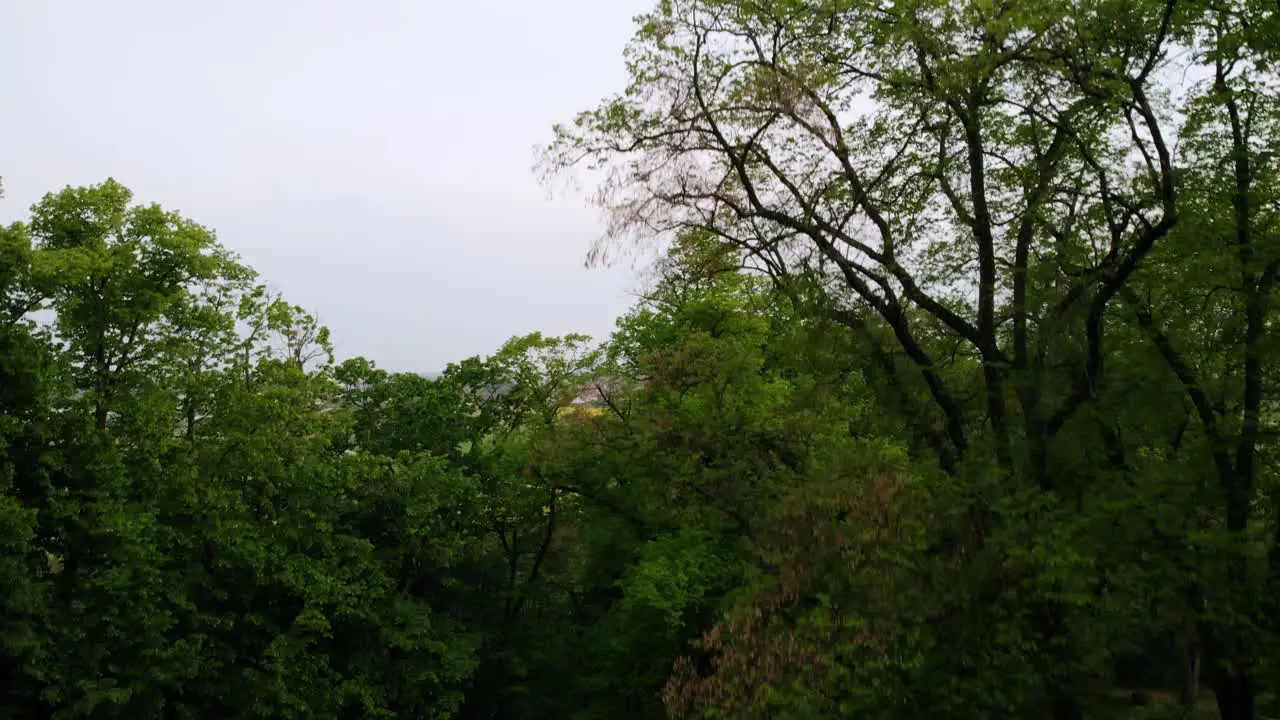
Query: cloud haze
point(370, 159)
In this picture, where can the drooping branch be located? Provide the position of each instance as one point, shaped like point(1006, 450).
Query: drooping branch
point(888, 308)
point(1189, 380)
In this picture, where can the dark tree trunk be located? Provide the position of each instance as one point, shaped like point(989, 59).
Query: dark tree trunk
point(1190, 691)
point(1061, 690)
point(1236, 694)
point(1064, 705)
point(1229, 672)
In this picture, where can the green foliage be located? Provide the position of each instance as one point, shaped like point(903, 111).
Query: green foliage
point(187, 529)
point(1052, 263)
point(953, 396)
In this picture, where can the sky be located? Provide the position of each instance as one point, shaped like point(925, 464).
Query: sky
point(372, 160)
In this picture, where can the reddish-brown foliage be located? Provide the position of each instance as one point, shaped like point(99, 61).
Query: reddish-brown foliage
point(837, 529)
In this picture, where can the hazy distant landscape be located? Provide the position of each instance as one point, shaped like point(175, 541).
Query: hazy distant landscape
point(944, 385)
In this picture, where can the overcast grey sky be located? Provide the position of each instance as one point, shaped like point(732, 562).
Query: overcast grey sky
point(371, 159)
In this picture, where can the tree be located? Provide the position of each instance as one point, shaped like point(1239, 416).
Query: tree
point(205, 540)
point(1205, 306)
point(122, 269)
point(973, 187)
point(280, 331)
point(25, 390)
point(404, 412)
point(720, 406)
point(200, 342)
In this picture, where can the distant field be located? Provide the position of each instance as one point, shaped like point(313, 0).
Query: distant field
point(582, 410)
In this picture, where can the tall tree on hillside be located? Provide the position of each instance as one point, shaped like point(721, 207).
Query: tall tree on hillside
point(26, 359)
point(280, 331)
point(201, 345)
point(728, 404)
point(122, 267)
point(974, 184)
point(1206, 306)
point(986, 189)
point(252, 564)
point(510, 405)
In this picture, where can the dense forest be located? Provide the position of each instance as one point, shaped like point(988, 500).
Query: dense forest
point(952, 394)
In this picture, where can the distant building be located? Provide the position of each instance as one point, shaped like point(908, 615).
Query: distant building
point(596, 393)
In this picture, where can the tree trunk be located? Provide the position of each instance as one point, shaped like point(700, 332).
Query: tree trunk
point(1230, 674)
point(1061, 690)
point(1064, 704)
point(1190, 692)
point(1236, 694)
point(1191, 670)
